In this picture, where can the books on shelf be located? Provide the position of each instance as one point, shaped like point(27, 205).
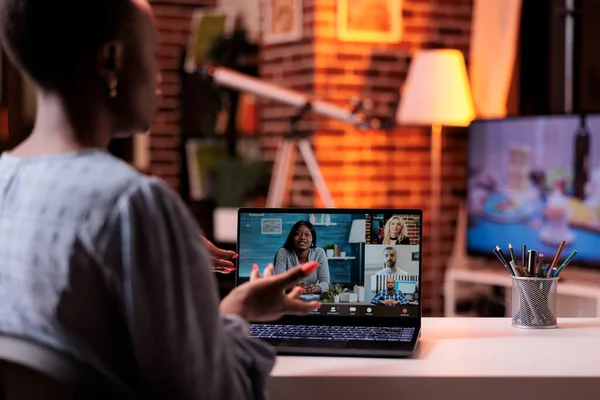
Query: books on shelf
point(320, 219)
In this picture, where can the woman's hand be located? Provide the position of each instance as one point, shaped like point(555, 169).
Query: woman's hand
point(312, 289)
point(220, 257)
point(263, 299)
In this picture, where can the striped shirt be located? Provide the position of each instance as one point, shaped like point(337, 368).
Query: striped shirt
point(396, 295)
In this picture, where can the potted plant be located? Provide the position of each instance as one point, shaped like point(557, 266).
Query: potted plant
point(342, 252)
point(237, 180)
point(332, 295)
point(329, 249)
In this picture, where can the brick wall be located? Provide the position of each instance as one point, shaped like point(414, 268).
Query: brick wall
point(371, 168)
point(173, 21)
point(291, 65)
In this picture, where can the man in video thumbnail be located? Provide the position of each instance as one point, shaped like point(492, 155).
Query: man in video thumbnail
point(389, 296)
point(389, 261)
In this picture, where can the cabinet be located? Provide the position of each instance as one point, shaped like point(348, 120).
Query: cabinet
point(578, 289)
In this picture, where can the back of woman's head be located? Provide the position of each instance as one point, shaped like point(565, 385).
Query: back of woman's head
point(52, 40)
point(75, 47)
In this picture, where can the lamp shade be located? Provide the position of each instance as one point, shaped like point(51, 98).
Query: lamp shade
point(358, 231)
point(436, 91)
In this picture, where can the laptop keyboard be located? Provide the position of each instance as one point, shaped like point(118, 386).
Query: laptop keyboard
point(319, 332)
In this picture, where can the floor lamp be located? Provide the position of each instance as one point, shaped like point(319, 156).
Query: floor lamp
point(357, 236)
point(436, 93)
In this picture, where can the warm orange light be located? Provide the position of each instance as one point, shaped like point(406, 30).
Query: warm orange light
point(436, 91)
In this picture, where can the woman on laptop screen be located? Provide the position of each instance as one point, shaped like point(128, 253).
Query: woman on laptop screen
point(395, 231)
point(300, 247)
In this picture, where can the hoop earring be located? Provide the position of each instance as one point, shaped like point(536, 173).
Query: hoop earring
point(113, 87)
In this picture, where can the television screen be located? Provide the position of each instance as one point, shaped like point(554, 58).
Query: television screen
point(535, 181)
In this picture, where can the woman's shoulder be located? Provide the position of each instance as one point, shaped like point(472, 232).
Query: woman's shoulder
point(147, 201)
point(283, 252)
point(151, 191)
point(318, 252)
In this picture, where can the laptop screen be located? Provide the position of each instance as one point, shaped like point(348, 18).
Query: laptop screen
point(369, 260)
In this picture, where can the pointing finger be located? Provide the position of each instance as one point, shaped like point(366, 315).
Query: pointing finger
point(268, 271)
point(217, 252)
point(222, 264)
point(255, 274)
point(296, 292)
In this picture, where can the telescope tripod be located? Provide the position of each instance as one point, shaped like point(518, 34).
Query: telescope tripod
point(285, 160)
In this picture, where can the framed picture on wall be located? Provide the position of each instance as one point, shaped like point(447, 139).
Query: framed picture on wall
point(271, 226)
point(207, 25)
point(282, 21)
point(375, 21)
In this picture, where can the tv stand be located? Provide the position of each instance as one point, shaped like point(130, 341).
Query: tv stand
point(578, 288)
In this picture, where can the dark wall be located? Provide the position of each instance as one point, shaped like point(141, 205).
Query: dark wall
point(533, 60)
point(587, 56)
point(542, 57)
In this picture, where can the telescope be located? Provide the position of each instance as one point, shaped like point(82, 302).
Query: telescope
point(286, 152)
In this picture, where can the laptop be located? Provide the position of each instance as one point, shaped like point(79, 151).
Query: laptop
point(368, 280)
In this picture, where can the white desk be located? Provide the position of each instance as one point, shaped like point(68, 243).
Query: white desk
point(459, 358)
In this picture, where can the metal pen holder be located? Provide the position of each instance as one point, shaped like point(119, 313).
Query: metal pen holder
point(534, 302)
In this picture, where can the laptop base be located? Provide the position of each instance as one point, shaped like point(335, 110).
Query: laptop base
point(343, 348)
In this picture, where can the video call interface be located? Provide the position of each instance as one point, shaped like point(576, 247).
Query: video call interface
point(369, 264)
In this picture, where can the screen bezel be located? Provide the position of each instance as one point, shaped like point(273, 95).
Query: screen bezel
point(489, 256)
point(343, 320)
